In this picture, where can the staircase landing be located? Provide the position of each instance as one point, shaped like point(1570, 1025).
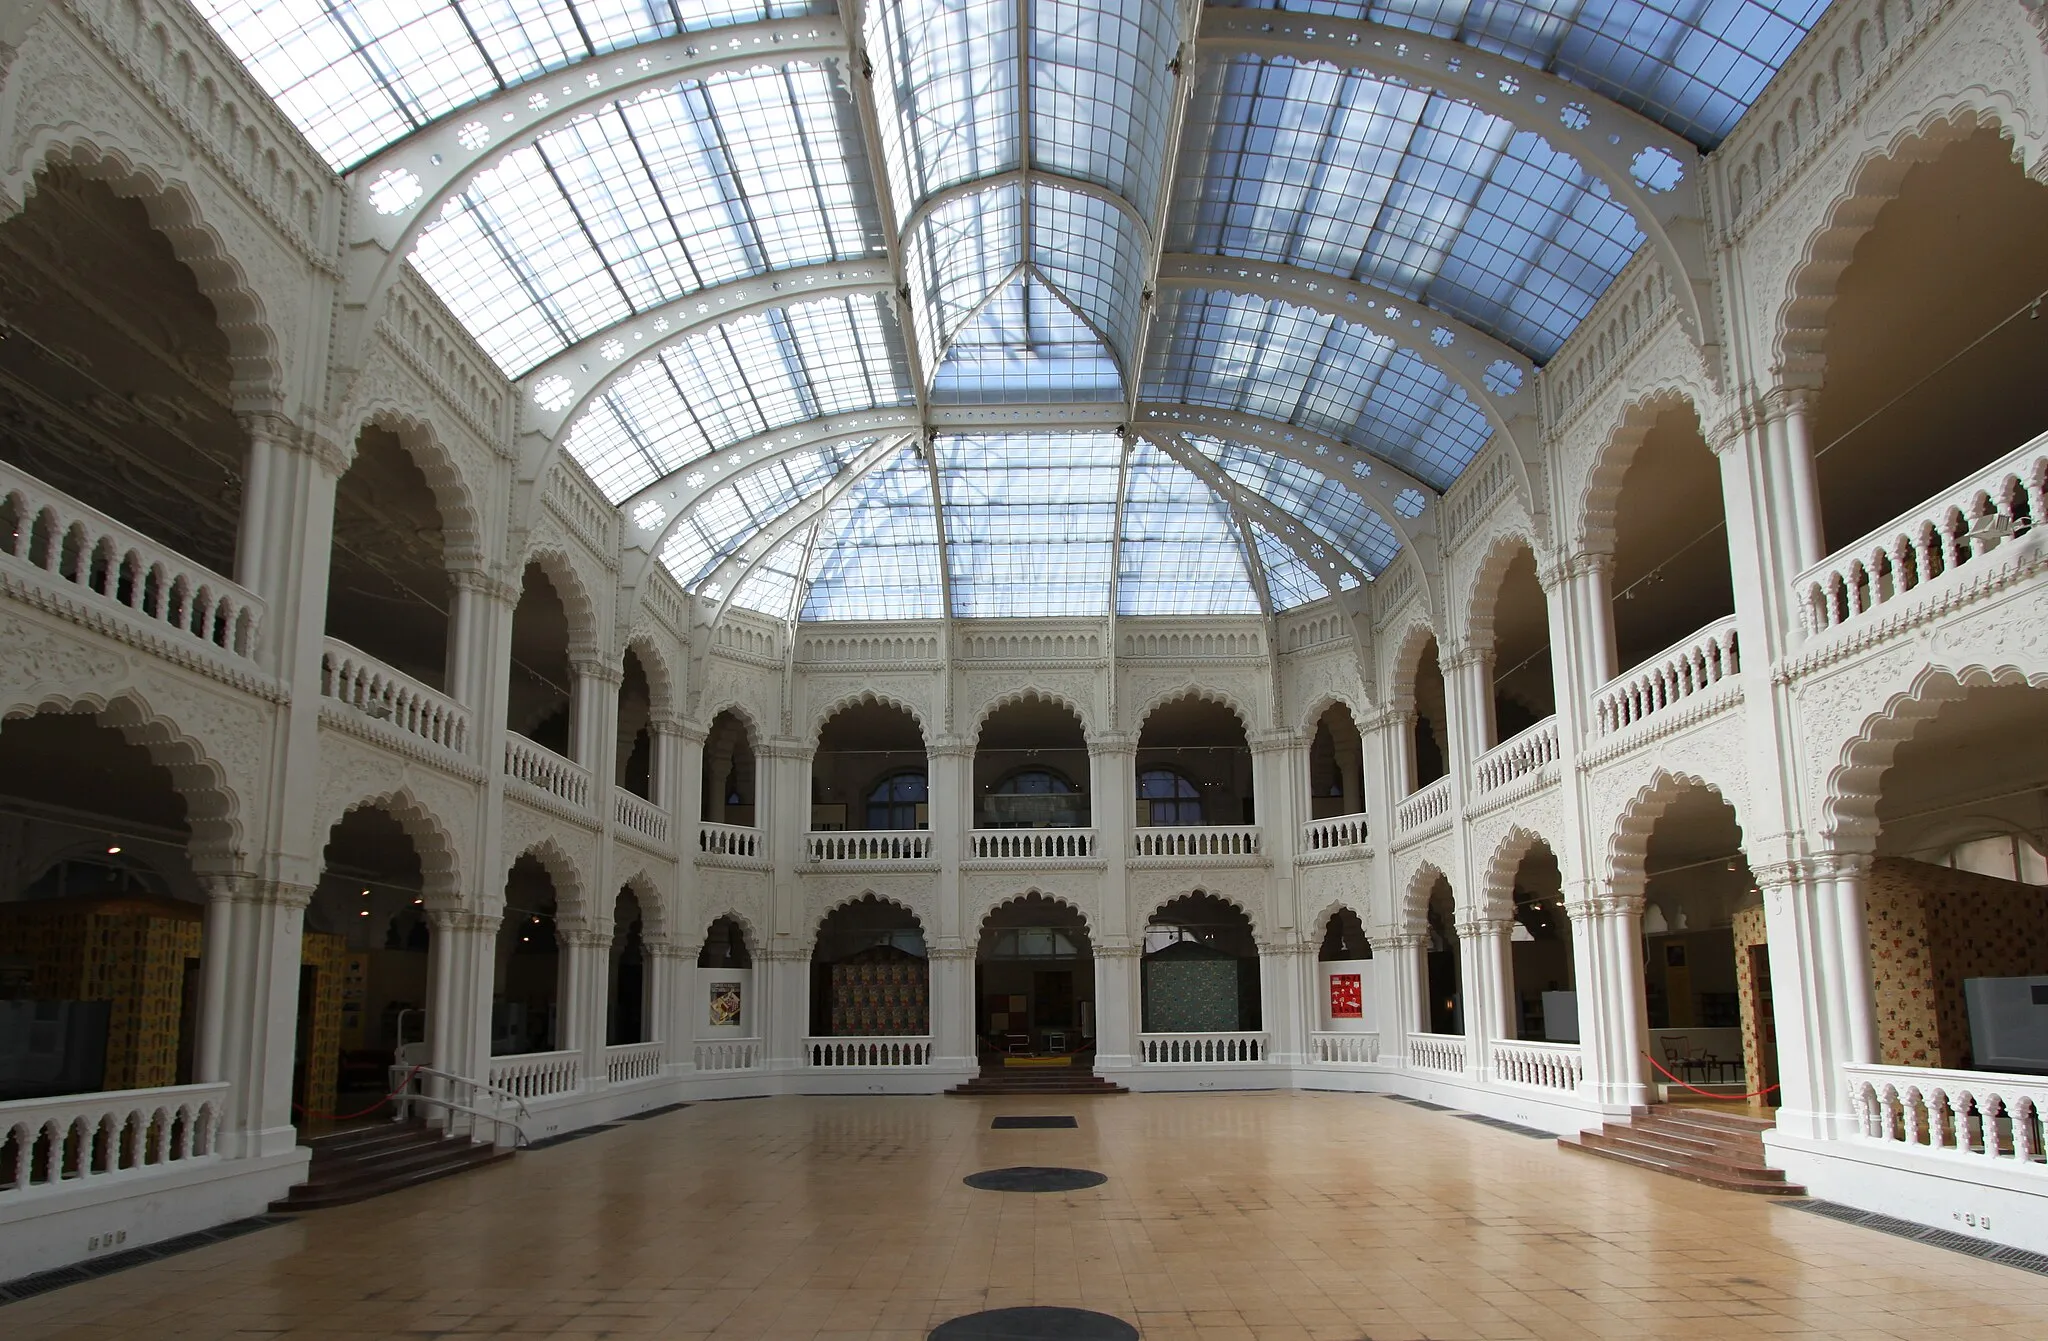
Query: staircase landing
point(367, 1162)
point(998, 1081)
point(1723, 1150)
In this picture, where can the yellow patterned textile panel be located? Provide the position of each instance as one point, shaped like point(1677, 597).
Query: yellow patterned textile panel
point(1748, 926)
point(880, 992)
point(132, 951)
point(327, 956)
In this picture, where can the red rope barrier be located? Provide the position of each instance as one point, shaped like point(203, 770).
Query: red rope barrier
point(1706, 1094)
point(350, 1117)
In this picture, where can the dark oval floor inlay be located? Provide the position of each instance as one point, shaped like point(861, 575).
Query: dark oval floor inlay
point(1035, 1324)
point(1032, 1178)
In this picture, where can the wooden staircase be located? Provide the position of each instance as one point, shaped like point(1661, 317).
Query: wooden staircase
point(998, 1081)
point(370, 1161)
point(1719, 1149)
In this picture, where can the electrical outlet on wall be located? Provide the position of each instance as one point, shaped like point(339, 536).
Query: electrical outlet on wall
point(1972, 1220)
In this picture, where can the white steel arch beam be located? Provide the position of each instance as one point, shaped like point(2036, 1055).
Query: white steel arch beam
point(1379, 487)
point(1603, 135)
point(1466, 355)
point(733, 571)
point(1025, 178)
point(1325, 559)
point(393, 195)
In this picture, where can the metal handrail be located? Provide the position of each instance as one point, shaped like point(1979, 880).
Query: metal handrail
point(495, 1119)
point(496, 1092)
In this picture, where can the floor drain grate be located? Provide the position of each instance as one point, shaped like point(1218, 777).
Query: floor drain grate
point(1502, 1124)
point(568, 1136)
point(1029, 1122)
point(653, 1113)
point(2021, 1258)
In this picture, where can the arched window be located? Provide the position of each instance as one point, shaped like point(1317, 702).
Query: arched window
point(1033, 798)
point(1034, 782)
point(898, 802)
point(1169, 797)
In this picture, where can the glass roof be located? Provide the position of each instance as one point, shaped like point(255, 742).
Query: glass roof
point(1269, 358)
point(1692, 65)
point(358, 74)
point(1022, 197)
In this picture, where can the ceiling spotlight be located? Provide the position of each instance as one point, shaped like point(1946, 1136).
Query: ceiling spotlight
point(417, 902)
point(364, 913)
point(366, 893)
point(114, 851)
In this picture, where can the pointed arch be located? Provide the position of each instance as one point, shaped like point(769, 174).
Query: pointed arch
point(1306, 720)
point(1602, 488)
point(575, 596)
point(881, 698)
point(1190, 689)
point(1242, 906)
point(742, 714)
point(750, 933)
point(432, 840)
point(996, 902)
point(1482, 596)
point(1010, 698)
point(824, 913)
point(1413, 910)
point(1406, 664)
point(1497, 885)
point(462, 526)
point(653, 906)
point(664, 696)
point(572, 898)
point(254, 356)
point(1628, 848)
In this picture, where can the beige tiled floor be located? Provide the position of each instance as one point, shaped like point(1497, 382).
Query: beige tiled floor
point(1267, 1216)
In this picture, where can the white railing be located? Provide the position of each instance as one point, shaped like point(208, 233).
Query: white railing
point(1948, 532)
point(869, 1053)
point(1219, 1049)
point(1437, 1052)
point(458, 1101)
point(730, 1054)
point(624, 1062)
point(870, 845)
point(1337, 831)
point(728, 840)
point(1543, 1066)
point(1680, 671)
point(538, 766)
point(1424, 807)
point(536, 1075)
point(1030, 844)
point(1516, 757)
point(107, 563)
point(1333, 1049)
point(1196, 840)
point(79, 1141)
point(1972, 1114)
point(357, 680)
point(640, 815)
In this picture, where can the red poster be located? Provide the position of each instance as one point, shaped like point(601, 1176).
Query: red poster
point(1346, 1001)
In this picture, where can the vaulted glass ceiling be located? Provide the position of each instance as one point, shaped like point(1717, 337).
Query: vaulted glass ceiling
point(1015, 225)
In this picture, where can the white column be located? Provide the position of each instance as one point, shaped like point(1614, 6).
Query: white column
point(1280, 794)
point(951, 944)
point(1284, 973)
point(672, 1001)
point(1810, 542)
point(1820, 986)
point(1402, 983)
point(680, 745)
point(1116, 1006)
point(1468, 700)
point(1487, 972)
point(593, 723)
point(249, 1008)
point(951, 1002)
point(1614, 1020)
point(782, 981)
point(585, 974)
point(468, 636)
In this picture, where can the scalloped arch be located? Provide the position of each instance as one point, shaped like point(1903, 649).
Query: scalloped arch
point(1497, 886)
point(876, 696)
point(572, 899)
point(1628, 848)
point(461, 520)
point(997, 902)
point(212, 812)
point(847, 901)
point(1022, 693)
point(1482, 594)
point(1414, 907)
point(1406, 663)
point(1322, 703)
point(750, 933)
point(560, 568)
point(747, 720)
point(439, 854)
point(1244, 910)
point(653, 906)
point(1854, 784)
point(664, 698)
point(254, 346)
point(1318, 925)
point(1800, 326)
point(1191, 689)
point(1601, 490)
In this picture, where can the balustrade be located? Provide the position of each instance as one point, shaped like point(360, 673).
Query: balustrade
point(1206, 1049)
point(869, 1053)
point(1971, 1114)
point(1516, 757)
point(1196, 840)
point(1323, 835)
point(870, 845)
point(45, 534)
point(542, 768)
point(728, 840)
point(1030, 844)
point(729, 1054)
point(1423, 808)
point(1543, 1066)
point(1943, 535)
point(1443, 1053)
point(626, 1062)
point(357, 680)
point(1353, 1049)
point(639, 815)
point(536, 1075)
point(1679, 672)
point(80, 1141)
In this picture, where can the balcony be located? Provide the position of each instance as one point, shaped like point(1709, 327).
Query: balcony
point(1699, 670)
point(735, 844)
point(1423, 809)
point(537, 1075)
point(637, 815)
point(880, 1053)
point(1234, 843)
point(1533, 753)
point(864, 846)
point(1031, 847)
point(97, 571)
point(1979, 1118)
point(74, 1145)
point(544, 771)
point(1237, 1048)
point(1950, 541)
point(1334, 839)
point(1538, 1066)
point(391, 705)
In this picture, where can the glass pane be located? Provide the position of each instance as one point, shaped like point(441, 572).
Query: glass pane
point(1101, 95)
point(1289, 581)
point(723, 520)
point(1336, 514)
point(877, 555)
point(1182, 553)
point(771, 587)
point(945, 92)
point(1030, 521)
point(1028, 346)
point(1095, 256)
point(957, 258)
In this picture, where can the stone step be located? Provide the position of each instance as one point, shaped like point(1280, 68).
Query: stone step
point(1705, 1139)
point(355, 1166)
point(1679, 1167)
point(1741, 1165)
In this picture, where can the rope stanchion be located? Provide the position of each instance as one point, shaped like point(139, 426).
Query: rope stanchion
point(1706, 1094)
point(363, 1112)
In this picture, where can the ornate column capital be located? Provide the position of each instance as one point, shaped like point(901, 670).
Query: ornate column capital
point(784, 749)
point(1396, 940)
point(591, 667)
point(1269, 742)
point(1613, 903)
point(954, 953)
point(1119, 951)
point(1113, 742)
point(1285, 949)
point(783, 954)
point(950, 747)
point(584, 938)
point(257, 890)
